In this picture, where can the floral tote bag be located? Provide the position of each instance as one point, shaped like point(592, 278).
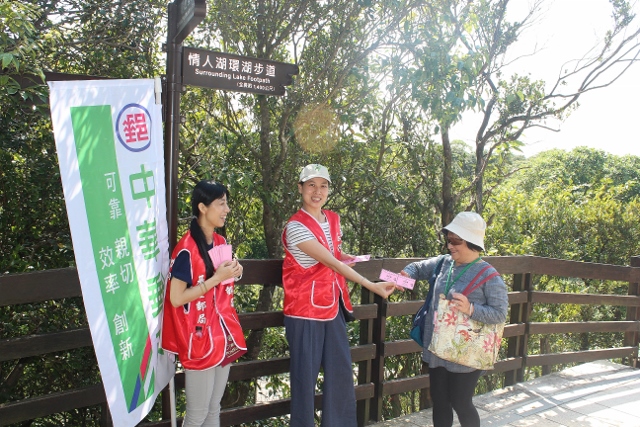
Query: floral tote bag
point(459, 339)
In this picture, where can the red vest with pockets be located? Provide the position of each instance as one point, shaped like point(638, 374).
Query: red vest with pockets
point(315, 292)
point(197, 331)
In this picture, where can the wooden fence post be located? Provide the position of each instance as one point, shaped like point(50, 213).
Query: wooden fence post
point(425, 393)
point(632, 339)
point(545, 348)
point(517, 346)
point(365, 367)
point(377, 368)
point(105, 416)
point(165, 400)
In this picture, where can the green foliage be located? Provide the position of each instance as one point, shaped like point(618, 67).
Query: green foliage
point(32, 213)
point(20, 47)
point(571, 205)
point(114, 40)
point(52, 36)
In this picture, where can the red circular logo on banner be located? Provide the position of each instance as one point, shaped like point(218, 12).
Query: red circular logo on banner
point(133, 127)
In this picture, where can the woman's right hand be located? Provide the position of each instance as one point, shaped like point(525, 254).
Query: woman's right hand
point(384, 289)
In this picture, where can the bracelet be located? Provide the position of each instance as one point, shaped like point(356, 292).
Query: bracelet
point(204, 288)
point(237, 278)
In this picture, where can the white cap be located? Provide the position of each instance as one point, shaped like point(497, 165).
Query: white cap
point(470, 227)
point(314, 171)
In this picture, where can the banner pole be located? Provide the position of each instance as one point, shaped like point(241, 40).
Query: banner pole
point(172, 400)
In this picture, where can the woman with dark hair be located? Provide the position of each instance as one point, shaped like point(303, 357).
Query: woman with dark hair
point(200, 324)
point(453, 385)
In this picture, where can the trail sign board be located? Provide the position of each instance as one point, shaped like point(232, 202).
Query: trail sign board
point(219, 70)
point(189, 13)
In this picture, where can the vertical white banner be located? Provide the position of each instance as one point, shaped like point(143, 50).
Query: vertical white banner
point(109, 141)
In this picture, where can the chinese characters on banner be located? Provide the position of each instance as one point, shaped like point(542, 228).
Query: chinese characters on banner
point(218, 70)
point(109, 140)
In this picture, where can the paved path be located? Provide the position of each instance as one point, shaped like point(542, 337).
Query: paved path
point(597, 394)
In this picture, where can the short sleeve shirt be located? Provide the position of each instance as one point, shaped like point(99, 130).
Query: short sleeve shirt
point(181, 269)
point(297, 233)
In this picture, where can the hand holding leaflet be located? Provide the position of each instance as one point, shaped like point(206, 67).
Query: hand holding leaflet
point(398, 279)
point(220, 254)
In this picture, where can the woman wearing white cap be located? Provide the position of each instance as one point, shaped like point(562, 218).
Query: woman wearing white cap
point(452, 385)
point(316, 302)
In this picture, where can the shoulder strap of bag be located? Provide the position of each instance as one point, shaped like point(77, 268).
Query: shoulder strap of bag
point(472, 286)
point(432, 281)
point(433, 277)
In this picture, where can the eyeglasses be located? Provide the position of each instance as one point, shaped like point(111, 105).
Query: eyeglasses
point(455, 241)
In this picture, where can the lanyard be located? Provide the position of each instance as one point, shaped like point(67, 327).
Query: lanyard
point(449, 282)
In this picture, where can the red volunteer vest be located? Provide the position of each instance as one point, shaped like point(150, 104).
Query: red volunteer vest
point(195, 331)
point(314, 292)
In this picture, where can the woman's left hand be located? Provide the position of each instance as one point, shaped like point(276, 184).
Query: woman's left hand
point(226, 270)
point(239, 270)
point(461, 303)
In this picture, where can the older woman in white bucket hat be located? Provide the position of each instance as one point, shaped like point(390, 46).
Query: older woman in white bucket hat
point(452, 385)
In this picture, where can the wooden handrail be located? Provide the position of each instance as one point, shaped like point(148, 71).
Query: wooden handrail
point(374, 347)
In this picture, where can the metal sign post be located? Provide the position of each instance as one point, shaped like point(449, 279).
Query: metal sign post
point(189, 14)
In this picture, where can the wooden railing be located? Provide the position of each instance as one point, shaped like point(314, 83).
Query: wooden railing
point(372, 349)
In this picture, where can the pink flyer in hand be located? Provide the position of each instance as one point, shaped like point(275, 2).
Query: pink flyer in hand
point(398, 279)
point(359, 258)
point(388, 276)
point(220, 254)
point(226, 254)
point(406, 282)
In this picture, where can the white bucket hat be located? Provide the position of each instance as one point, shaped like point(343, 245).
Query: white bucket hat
point(314, 171)
point(470, 227)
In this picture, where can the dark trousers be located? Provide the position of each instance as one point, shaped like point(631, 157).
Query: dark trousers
point(314, 344)
point(453, 392)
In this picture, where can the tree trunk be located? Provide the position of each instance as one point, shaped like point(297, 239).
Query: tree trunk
point(271, 227)
point(448, 203)
point(479, 187)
